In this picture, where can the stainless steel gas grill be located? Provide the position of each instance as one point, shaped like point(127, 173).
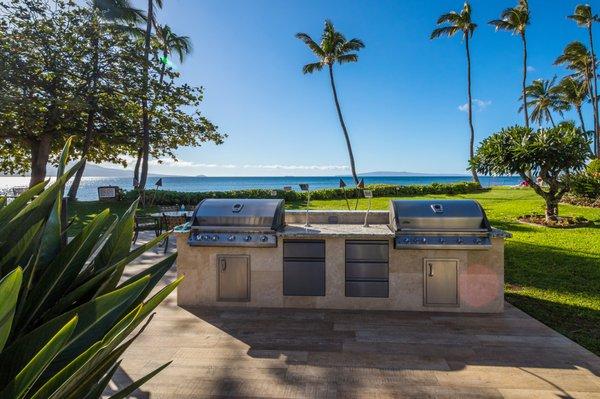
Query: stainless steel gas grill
point(439, 224)
point(237, 222)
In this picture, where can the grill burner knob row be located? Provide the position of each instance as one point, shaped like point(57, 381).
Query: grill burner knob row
point(231, 238)
point(247, 238)
point(215, 238)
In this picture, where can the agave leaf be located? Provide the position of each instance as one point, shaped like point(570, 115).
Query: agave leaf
point(18, 387)
point(33, 212)
point(96, 390)
point(2, 201)
point(95, 319)
point(52, 384)
point(117, 246)
point(23, 248)
point(64, 268)
point(90, 372)
point(111, 283)
point(64, 157)
point(10, 210)
point(125, 392)
point(10, 286)
point(155, 272)
point(157, 298)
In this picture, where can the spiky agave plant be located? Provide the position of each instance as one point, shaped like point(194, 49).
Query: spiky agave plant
point(66, 317)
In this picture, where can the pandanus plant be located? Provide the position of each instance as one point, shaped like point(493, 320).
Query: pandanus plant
point(66, 313)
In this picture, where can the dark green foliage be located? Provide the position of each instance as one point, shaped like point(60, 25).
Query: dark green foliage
point(162, 197)
point(586, 185)
point(593, 167)
point(66, 310)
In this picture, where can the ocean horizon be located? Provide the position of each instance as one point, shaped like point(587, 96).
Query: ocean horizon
point(88, 190)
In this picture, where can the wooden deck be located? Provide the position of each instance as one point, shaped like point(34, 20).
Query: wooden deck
point(345, 354)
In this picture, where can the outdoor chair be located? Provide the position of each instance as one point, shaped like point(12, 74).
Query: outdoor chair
point(169, 223)
point(146, 223)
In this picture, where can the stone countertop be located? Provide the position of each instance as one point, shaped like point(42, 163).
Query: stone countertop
point(337, 230)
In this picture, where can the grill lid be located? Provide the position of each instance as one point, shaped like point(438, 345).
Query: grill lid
point(239, 214)
point(438, 215)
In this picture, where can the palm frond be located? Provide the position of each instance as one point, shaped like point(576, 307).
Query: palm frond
point(351, 45)
point(310, 68)
point(312, 45)
point(347, 58)
point(444, 31)
point(451, 17)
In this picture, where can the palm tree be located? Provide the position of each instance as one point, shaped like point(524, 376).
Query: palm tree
point(515, 20)
point(461, 22)
point(573, 93)
point(584, 17)
point(172, 43)
point(145, 149)
point(105, 13)
point(544, 99)
point(333, 48)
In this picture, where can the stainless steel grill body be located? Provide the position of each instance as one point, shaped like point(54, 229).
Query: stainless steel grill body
point(237, 222)
point(441, 224)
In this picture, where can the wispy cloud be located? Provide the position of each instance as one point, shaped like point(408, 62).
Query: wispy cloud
point(479, 105)
point(188, 164)
point(530, 68)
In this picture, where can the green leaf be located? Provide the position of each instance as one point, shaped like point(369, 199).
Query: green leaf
point(65, 267)
point(23, 381)
point(155, 272)
point(9, 292)
point(9, 211)
point(95, 391)
point(118, 245)
point(124, 393)
point(118, 268)
point(63, 375)
point(95, 319)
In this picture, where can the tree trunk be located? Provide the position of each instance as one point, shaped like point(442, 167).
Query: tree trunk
point(339, 112)
point(551, 209)
point(145, 114)
point(92, 109)
point(525, 110)
point(472, 136)
point(581, 118)
point(40, 152)
point(551, 119)
point(595, 96)
point(136, 169)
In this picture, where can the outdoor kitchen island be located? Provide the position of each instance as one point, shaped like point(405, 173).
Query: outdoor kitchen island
point(337, 263)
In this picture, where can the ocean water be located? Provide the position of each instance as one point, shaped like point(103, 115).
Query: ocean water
point(88, 190)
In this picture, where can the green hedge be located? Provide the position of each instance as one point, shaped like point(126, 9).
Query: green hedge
point(164, 197)
point(586, 185)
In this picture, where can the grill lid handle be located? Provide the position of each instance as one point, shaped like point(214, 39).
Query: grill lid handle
point(437, 208)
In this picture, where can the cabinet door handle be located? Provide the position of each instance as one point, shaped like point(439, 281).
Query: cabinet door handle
point(223, 265)
point(430, 269)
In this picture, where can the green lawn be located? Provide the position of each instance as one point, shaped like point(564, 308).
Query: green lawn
point(552, 274)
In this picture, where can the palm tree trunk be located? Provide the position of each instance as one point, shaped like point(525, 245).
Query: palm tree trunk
point(525, 79)
point(92, 109)
point(339, 112)
point(136, 169)
point(145, 114)
point(472, 136)
point(551, 119)
point(581, 118)
point(595, 96)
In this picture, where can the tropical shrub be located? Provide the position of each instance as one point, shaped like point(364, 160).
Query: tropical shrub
point(164, 197)
point(66, 313)
point(544, 158)
point(593, 168)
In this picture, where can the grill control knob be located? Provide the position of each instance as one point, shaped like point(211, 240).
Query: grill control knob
point(442, 240)
point(424, 240)
point(407, 240)
point(204, 237)
point(231, 238)
point(215, 238)
point(264, 238)
point(459, 240)
point(247, 238)
point(478, 241)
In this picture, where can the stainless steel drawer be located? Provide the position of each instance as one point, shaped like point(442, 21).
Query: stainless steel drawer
point(374, 289)
point(374, 251)
point(366, 271)
point(304, 278)
point(304, 249)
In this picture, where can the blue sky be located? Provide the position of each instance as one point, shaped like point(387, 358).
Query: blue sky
point(400, 101)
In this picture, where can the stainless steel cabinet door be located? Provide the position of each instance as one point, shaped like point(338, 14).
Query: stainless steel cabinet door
point(234, 277)
point(441, 282)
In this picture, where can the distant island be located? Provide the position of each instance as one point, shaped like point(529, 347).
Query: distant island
point(390, 173)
